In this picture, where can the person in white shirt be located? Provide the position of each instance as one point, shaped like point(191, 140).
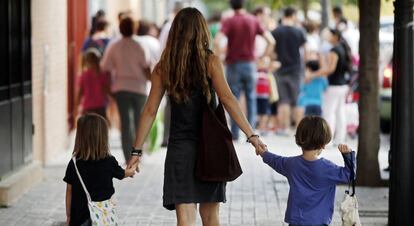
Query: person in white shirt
point(151, 43)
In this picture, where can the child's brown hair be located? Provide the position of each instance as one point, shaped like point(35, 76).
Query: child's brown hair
point(91, 59)
point(91, 141)
point(313, 133)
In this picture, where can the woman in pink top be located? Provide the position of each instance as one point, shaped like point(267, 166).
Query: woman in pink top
point(93, 85)
point(129, 65)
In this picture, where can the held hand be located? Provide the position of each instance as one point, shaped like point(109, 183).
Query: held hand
point(262, 148)
point(134, 163)
point(130, 172)
point(259, 145)
point(343, 148)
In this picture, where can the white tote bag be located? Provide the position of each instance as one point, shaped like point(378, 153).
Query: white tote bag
point(349, 206)
point(102, 213)
point(349, 211)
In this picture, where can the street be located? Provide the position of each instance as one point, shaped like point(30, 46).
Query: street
point(258, 197)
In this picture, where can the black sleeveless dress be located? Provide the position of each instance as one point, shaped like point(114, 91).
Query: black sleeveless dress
point(180, 183)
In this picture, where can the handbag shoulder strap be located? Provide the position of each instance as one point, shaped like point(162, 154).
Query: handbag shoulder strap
point(80, 179)
point(214, 98)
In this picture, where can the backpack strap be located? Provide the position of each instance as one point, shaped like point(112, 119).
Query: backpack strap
point(81, 181)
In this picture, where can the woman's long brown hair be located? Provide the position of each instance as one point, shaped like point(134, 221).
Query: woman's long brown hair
point(184, 62)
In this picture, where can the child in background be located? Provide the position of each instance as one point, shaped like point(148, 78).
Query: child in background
point(264, 92)
point(96, 166)
point(311, 92)
point(93, 85)
point(312, 179)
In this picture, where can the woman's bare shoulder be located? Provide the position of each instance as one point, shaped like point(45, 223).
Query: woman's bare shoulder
point(214, 64)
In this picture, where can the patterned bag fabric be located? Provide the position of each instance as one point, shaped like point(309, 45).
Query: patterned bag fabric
point(102, 213)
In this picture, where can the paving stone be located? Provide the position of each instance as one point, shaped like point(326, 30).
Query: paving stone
point(257, 198)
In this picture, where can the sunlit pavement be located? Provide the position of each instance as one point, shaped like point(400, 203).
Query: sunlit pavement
point(258, 197)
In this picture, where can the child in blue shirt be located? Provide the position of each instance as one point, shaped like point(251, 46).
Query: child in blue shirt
point(311, 93)
point(312, 179)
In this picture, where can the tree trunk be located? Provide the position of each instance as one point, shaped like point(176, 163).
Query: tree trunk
point(305, 8)
point(368, 172)
point(325, 13)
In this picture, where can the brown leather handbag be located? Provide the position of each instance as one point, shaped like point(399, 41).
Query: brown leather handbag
point(217, 159)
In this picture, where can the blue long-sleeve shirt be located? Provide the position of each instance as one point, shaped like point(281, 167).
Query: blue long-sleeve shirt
point(312, 186)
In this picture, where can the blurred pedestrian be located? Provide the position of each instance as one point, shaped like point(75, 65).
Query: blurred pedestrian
point(241, 30)
point(90, 172)
point(149, 42)
point(348, 30)
point(339, 62)
point(311, 92)
point(313, 39)
point(289, 41)
point(262, 13)
point(99, 39)
point(154, 30)
point(94, 85)
point(165, 30)
point(188, 71)
point(214, 26)
point(126, 60)
point(99, 16)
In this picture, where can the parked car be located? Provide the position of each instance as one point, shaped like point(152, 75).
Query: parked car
point(386, 38)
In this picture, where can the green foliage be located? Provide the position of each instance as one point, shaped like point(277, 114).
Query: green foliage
point(344, 2)
point(220, 5)
point(216, 5)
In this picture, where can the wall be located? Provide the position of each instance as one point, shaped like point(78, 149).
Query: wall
point(49, 71)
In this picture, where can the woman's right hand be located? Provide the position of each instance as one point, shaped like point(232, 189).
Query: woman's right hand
point(134, 163)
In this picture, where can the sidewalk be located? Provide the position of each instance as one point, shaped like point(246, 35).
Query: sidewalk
point(257, 198)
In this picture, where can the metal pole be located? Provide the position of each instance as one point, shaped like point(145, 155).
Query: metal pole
point(325, 13)
point(402, 140)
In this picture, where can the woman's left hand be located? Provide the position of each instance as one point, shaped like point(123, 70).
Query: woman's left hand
point(258, 144)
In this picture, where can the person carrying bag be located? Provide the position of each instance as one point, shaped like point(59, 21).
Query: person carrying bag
point(102, 213)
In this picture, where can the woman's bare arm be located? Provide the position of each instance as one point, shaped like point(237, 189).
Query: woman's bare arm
point(226, 96)
point(215, 69)
point(329, 67)
point(149, 112)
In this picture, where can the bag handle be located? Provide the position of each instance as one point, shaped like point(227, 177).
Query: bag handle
point(351, 165)
point(80, 179)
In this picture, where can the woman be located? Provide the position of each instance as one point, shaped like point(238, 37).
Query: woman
point(185, 71)
point(338, 64)
point(127, 61)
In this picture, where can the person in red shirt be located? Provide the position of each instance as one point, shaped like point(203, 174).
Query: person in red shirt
point(241, 30)
point(93, 85)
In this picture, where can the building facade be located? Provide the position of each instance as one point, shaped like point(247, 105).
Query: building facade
point(41, 48)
